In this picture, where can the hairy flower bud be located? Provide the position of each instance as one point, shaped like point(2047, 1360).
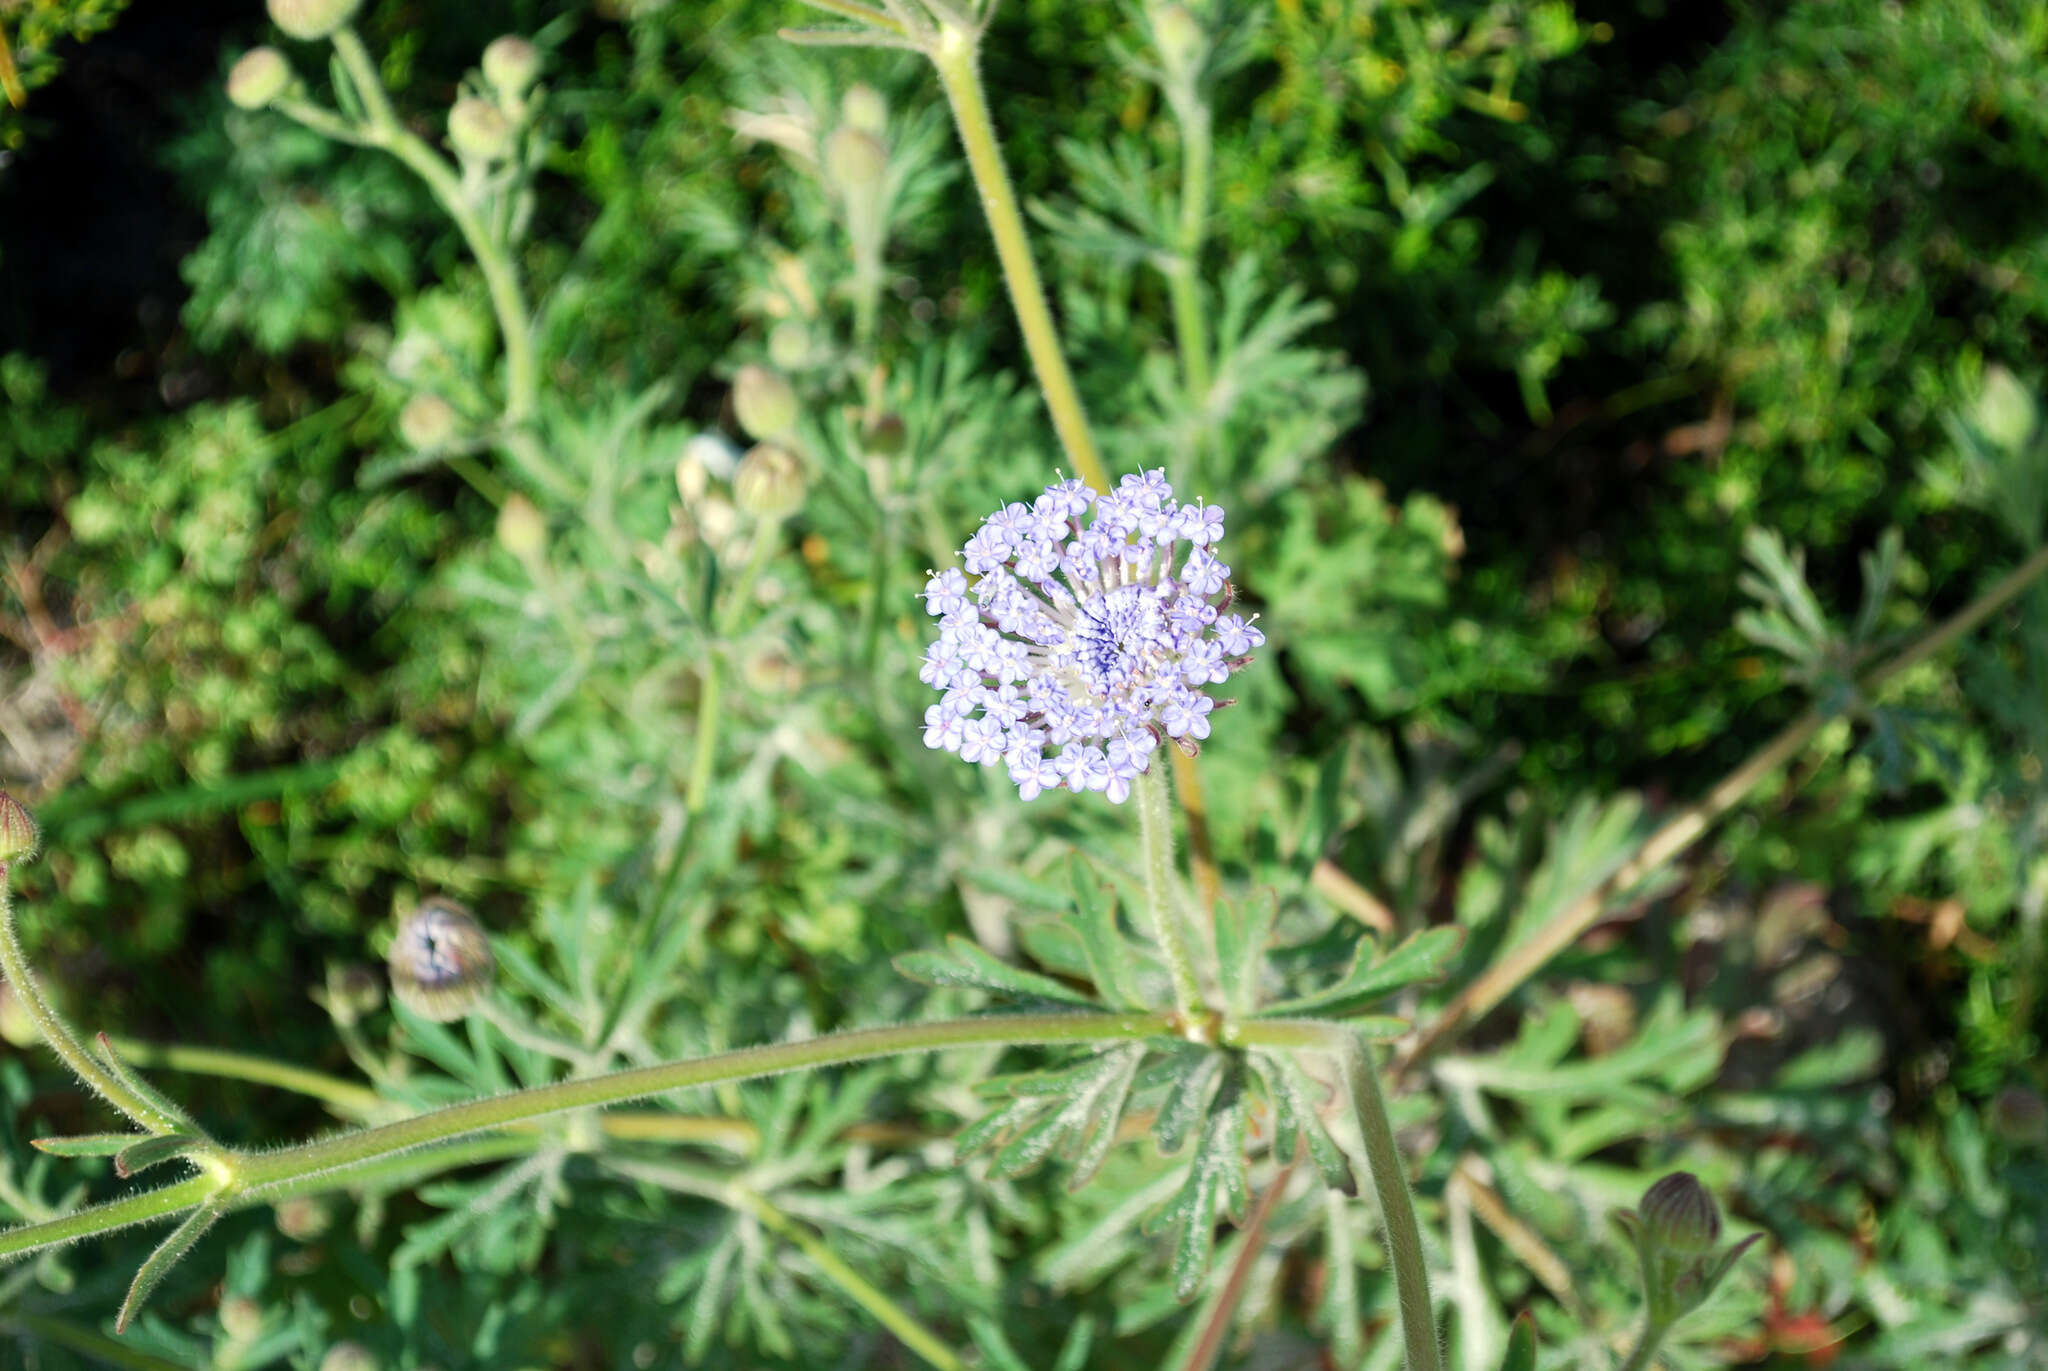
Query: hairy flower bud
point(311, 20)
point(855, 160)
point(258, 77)
point(478, 130)
point(440, 961)
point(20, 839)
point(764, 402)
point(15, 1024)
point(770, 483)
point(348, 1356)
point(511, 64)
point(427, 422)
point(1680, 1215)
point(521, 529)
point(863, 108)
point(304, 1218)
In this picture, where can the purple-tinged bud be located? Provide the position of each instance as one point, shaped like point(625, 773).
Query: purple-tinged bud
point(1680, 1216)
point(20, 839)
point(478, 130)
point(440, 961)
point(311, 20)
point(258, 77)
point(511, 64)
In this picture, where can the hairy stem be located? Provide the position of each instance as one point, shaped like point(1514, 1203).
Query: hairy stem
point(1686, 827)
point(1646, 1346)
point(955, 53)
point(1155, 828)
point(1397, 1204)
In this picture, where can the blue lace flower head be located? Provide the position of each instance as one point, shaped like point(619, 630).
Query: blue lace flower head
point(1070, 652)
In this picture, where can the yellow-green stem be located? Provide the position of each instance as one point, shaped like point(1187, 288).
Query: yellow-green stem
point(1155, 829)
point(1397, 1203)
point(956, 56)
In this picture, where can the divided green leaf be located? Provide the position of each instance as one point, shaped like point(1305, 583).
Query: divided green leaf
point(1420, 957)
point(1112, 961)
point(1070, 1113)
point(1297, 1121)
point(967, 964)
point(1243, 928)
point(1217, 1180)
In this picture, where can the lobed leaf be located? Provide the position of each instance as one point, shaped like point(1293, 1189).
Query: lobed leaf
point(966, 964)
point(1420, 957)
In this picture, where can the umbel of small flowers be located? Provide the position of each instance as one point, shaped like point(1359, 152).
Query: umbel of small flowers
point(1069, 651)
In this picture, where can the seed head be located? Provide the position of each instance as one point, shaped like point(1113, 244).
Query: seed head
point(1095, 641)
point(258, 77)
point(478, 130)
point(440, 962)
point(770, 482)
point(20, 839)
point(311, 20)
point(511, 64)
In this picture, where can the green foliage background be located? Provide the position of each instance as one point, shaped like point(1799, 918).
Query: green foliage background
point(1528, 317)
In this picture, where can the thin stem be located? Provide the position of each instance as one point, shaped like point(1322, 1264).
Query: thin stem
point(709, 706)
point(1647, 1345)
point(1686, 827)
point(522, 375)
point(1397, 1203)
point(1155, 828)
point(57, 1033)
point(346, 1097)
point(533, 1039)
point(1184, 281)
point(956, 56)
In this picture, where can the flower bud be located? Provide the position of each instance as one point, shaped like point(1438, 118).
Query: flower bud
point(353, 994)
point(478, 130)
point(1180, 39)
point(855, 160)
point(348, 1356)
point(789, 345)
point(511, 64)
point(764, 402)
point(427, 422)
point(2003, 411)
point(1680, 1216)
point(440, 961)
point(19, 836)
point(770, 483)
point(713, 454)
point(521, 529)
point(258, 76)
point(884, 435)
point(304, 1218)
point(311, 20)
point(863, 108)
point(241, 1318)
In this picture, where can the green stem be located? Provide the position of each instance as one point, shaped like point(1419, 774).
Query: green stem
point(57, 1033)
point(522, 375)
point(1155, 828)
point(345, 1097)
point(1184, 282)
point(1646, 1346)
point(709, 706)
point(955, 54)
point(1397, 1203)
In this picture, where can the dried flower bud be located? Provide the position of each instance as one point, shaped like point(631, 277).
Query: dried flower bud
point(258, 76)
point(863, 108)
point(440, 961)
point(884, 435)
point(241, 1318)
point(770, 483)
point(511, 64)
point(478, 130)
point(764, 402)
point(1680, 1215)
point(311, 20)
point(348, 1356)
point(304, 1218)
point(427, 422)
point(20, 839)
point(15, 1024)
point(521, 529)
point(855, 160)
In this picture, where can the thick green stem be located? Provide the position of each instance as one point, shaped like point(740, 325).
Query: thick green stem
point(956, 55)
point(1397, 1204)
point(57, 1033)
point(1155, 827)
point(1646, 1346)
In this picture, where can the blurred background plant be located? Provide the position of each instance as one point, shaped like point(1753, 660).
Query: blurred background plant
point(1566, 369)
